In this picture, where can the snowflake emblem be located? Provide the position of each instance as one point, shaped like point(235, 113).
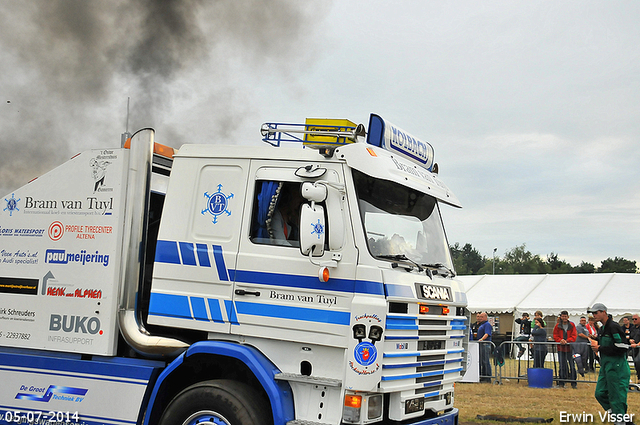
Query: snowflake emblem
point(217, 204)
point(318, 228)
point(12, 204)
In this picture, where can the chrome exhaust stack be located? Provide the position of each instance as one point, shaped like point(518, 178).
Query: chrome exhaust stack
point(133, 250)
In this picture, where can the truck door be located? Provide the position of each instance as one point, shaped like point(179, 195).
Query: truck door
point(277, 290)
point(198, 244)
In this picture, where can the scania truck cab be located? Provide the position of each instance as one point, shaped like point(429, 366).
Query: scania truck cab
point(306, 282)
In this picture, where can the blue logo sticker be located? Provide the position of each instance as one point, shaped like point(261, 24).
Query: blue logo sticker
point(217, 204)
point(365, 353)
point(318, 228)
point(12, 204)
point(61, 256)
point(54, 391)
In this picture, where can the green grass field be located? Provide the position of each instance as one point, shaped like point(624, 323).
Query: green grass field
point(518, 399)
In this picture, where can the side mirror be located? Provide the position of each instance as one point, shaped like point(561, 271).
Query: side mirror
point(314, 192)
point(312, 230)
point(319, 192)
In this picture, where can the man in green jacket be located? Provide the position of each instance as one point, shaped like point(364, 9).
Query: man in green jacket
point(613, 381)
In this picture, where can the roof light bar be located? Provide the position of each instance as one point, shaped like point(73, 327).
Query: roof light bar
point(315, 132)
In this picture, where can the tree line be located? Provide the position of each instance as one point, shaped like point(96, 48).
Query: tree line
point(518, 260)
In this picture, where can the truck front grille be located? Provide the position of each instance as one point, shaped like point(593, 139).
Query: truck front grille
point(422, 352)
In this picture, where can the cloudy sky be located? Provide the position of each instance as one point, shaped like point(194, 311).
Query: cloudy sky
point(533, 107)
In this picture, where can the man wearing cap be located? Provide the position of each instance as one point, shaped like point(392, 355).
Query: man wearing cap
point(613, 381)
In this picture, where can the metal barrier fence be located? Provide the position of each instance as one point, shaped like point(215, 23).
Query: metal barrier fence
point(511, 360)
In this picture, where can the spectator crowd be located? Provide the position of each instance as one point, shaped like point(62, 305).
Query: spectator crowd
point(595, 341)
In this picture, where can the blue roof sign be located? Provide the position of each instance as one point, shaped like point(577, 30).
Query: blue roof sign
point(392, 138)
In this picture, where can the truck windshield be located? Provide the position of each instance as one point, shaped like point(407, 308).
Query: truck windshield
point(400, 221)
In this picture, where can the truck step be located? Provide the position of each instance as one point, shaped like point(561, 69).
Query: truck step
point(315, 380)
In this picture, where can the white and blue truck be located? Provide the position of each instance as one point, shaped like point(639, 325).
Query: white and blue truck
point(309, 282)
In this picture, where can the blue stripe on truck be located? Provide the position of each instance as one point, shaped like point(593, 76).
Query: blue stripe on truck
point(185, 253)
point(194, 308)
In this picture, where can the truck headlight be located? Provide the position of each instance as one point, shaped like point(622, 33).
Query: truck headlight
point(356, 405)
point(374, 409)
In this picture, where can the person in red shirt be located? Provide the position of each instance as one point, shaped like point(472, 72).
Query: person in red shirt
point(565, 333)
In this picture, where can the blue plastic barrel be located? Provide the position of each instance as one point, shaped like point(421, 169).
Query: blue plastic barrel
point(540, 377)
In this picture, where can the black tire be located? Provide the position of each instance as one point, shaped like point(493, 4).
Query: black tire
point(220, 402)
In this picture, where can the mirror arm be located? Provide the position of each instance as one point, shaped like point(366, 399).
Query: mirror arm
point(330, 263)
point(337, 186)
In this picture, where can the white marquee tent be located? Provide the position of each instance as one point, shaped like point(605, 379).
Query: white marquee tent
point(552, 293)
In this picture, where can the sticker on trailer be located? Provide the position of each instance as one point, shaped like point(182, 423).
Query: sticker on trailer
point(12, 204)
point(53, 231)
point(72, 391)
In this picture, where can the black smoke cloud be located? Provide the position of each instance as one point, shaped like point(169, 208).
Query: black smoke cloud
point(68, 67)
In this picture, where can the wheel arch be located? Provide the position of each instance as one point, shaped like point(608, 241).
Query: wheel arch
point(207, 360)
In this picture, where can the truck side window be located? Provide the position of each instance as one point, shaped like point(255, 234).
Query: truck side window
point(276, 214)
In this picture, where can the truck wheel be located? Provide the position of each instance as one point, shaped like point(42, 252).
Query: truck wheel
point(220, 402)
